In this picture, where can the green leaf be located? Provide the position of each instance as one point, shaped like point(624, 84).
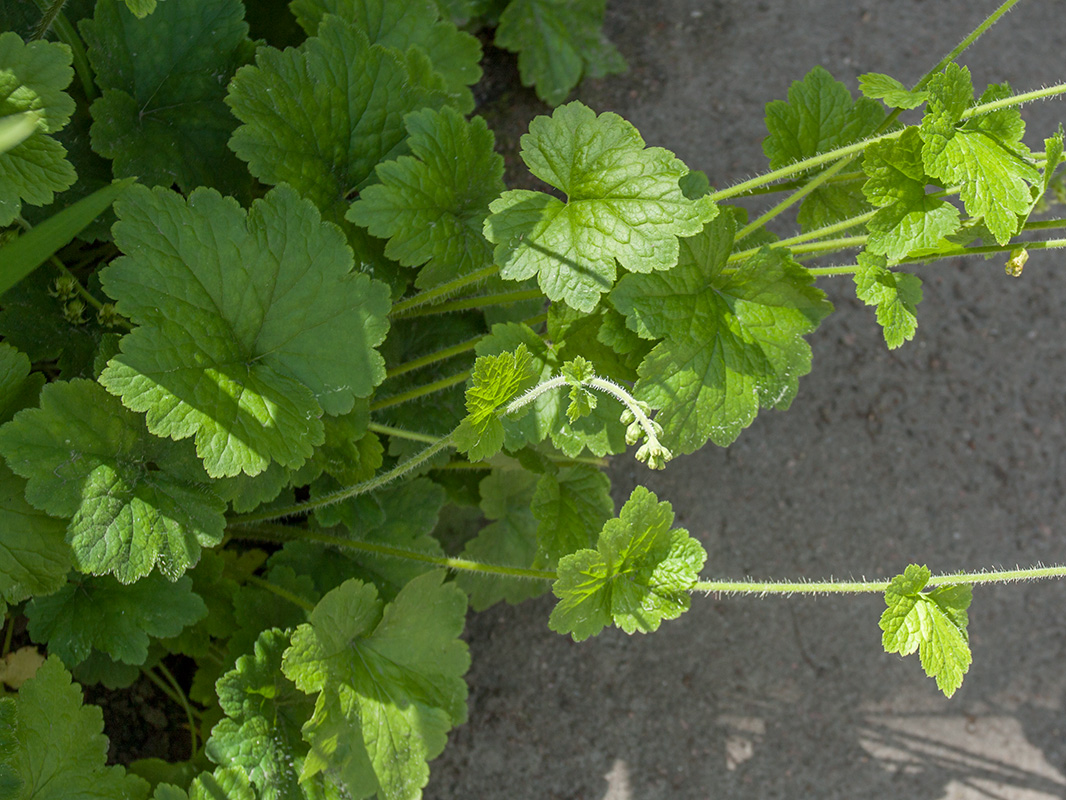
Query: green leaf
point(61, 749)
point(639, 574)
point(820, 116)
point(321, 116)
point(1053, 150)
point(432, 206)
point(161, 115)
point(984, 155)
point(10, 782)
point(18, 387)
point(896, 295)
point(496, 380)
point(113, 618)
point(389, 683)
point(32, 78)
point(582, 400)
point(455, 54)
point(623, 202)
point(571, 507)
point(34, 556)
point(600, 432)
point(908, 219)
point(261, 732)
point(136, 501)
point(558, 42)
point(31, 249)
point(884, 87)
point(17, 128)
point(251, 324)
point(731, 340)
point(510, 539)
point(933, 623)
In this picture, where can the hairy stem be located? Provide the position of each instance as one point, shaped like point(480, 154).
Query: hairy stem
point(478, 301)
point(445, 289)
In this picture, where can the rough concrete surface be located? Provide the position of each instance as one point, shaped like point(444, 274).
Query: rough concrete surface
point(947, 452)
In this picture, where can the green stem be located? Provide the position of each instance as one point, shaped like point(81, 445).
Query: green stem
point(828, 230)
point(402, 433)
point(972, 37)
point(859, 587)
point(53, 17)
point(1014, 100)
point(420, 391)
point(467, 303)
point(281, 592)
point(348, 491)
point(9, 632)
point(179, 697)
point(445, 289)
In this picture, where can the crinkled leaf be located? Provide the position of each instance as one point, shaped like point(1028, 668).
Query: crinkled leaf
point(732, 341)
point(638, 575)
point(34, 556)
point(251, 324)
point(1053, 150)
point(61, 748)
point(414, 23)
point(582, 400)
point(32, 78)
point(161, 115)
point(933, 623)
point(623, 202)
point(558, 42)
point(984, 155)
point(571, 507)
point(496, 380)
point(820, 115)
point(432, 206)
point(264, 714)
point(321, 116)
point(896, 295)
point(908, 218)
point(114, 618)
point(388, 679)
point(225, 783)
point(878, 86)
point(136, 501)
point(600, 432)
point(510, 539)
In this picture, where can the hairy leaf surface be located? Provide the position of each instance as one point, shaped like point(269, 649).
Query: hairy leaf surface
point(896, 295)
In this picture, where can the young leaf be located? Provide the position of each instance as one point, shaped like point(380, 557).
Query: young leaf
point(639, 574)
point(884, 87)
point(432, 206)
point(510, 539)
point(103, 614)
point(732, 342)
point(321, 116)
point(389, 683)
point(933, 623)
point(908, 219)
point(496, 380)
point(161, 115)
point(600, 432)
point(137, 501)
point(984, 155)
point(251, 324)
point(415, 23)
point(558, 41)
point(261, 731)
point(61, 751)
point(896, 295)
point(582, 400)
point(623, 202)
point(32, 78)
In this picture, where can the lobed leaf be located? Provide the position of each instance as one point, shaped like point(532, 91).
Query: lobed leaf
point(496, 380)
point(161, 115)
point(731, 341)
point(136, 502)
point(571, 507)
point(431, 206)
point(884, 87)
point(638, 575)
point(251, 325)
point(933, 623)
point(896, 295)
point(32, 79)
point(389, 683)
point(623, 203)
point(558, 42)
